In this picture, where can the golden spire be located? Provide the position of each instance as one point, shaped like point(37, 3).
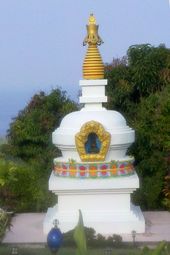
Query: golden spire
point(93, 67)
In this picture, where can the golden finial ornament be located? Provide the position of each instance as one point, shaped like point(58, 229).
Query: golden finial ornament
point(92, 32)
point(93, 67)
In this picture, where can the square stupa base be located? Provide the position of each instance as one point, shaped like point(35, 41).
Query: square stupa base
point(105, 204)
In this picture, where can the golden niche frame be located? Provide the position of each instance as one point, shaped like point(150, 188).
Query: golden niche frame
point(82, 136)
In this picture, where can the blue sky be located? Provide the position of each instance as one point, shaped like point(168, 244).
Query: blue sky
point(41, 42)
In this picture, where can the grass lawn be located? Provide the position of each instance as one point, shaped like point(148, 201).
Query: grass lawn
point(6, 250)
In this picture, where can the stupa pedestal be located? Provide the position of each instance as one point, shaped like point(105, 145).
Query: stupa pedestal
point(105, 204)
point(94, 174)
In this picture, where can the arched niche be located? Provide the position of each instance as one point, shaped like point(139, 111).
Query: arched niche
point(92, 142)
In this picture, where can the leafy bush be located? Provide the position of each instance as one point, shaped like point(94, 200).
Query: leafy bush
point(4, 222)
point(161, 249)
point(94, 240)
point(29, 135)
point(166, 191)
point(23, 187)
point(151, 148)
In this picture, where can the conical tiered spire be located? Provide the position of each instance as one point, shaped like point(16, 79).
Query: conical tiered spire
point(93, 67)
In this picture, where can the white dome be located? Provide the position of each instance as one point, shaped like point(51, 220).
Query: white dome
point(109, 119)
point(113, 122)
point(93, 95)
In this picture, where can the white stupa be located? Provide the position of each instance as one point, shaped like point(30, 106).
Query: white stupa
point(94, 173)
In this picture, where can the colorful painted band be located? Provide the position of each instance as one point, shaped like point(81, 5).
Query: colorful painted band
point(89, 170)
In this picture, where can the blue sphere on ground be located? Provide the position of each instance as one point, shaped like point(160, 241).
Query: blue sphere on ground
point(54, 239)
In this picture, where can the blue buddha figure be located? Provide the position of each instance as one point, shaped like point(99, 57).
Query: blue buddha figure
point(93, 144)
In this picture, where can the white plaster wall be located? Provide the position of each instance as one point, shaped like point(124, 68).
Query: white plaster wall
point(105, 204)
point(93, 90)
point(94, 203)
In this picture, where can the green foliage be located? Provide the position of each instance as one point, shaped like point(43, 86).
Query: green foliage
point(120, 87)
point(94, 240)
point(146, 63)
point(166, 191)
point(29, 136)
point(151, 148)
point(22, 187)
point(4, 222)
point(140, 89)
point(161, 249)
point(80, 237)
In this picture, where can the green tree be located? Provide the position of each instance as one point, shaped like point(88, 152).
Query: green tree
point(25, 186)
point(120, 86)
point(152, 147)
point(29, 135)
point(140, 89)
point(22, 187)
point(147, 64)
